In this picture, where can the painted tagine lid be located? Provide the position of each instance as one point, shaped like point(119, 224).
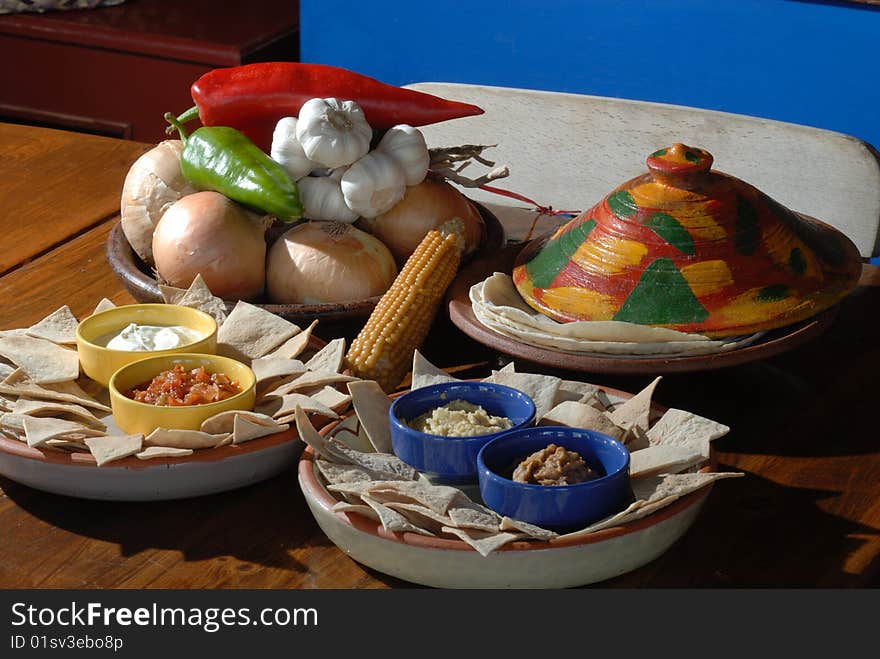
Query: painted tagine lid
point(688, 248)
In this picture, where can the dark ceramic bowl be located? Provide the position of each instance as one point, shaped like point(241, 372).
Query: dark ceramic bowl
point(559, 508)
point(453, 459)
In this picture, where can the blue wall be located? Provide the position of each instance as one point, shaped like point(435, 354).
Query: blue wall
point(805, 62)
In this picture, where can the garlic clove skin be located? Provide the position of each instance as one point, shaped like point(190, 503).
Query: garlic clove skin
point(287, 151)
point(332, 132)
point(407, 146)
point(322, 198)
point(374, 184)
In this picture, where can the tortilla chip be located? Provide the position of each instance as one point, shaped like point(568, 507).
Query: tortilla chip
point(175, 438)
point(662, 459)
point(536, 532)
point(580, 415)
point(244, 429)
point(269, 368)
point(384, 462)
point(371, 405)
point(250, 332)
point(654, 488)
point(357, 508)
point(282, 408)
point(66, 445)
point(103, 305)
point(328, 358)
point(58, 327)
point(44, 362)
point(308, 380)
point(636, 412)
point(680, 428)
point(68, 392)
point(421, 516)
point(391, 519)
point(474, 516)
point(322, 447)
point(44, 408)
point(224, 422)
point(114, 447)
point(336, 473)
point(331, 397)
point(424, 373)
point(579, 392)
point(439, 498)
point(295, 345)
point(485, 543)
point(540, 388)
point(199, 296)
point(153, 452)
point(38, 430)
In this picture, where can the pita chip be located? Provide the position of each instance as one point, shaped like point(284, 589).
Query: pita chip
point(580, 415)
point(579, 392)
point(44, 408)
point(424, 373)
point(282, 409)
point(329, 358)
point(113, 447)
point(371, 405)
point(540, 388)
point(223, 422)
point(294, 346)
point(68, 392)
point(658, 459)
point(244, 429)
point(199, 296)
point(177, 438)
point(103, 305)
point(536, 532)
point(250, 332)
point(635, 412)
point(44, 362)
point(680, 428)
point(58, 327)
point(331, 397)
point(269, 368)
point(357, 508)
point(391, 519)
point(308, 380)
point(38, 430)
point(153, 452)
point(484, 542)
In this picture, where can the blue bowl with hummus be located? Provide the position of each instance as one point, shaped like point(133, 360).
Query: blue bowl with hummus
point(108, 340)
point(556, 477)
point(439, 429)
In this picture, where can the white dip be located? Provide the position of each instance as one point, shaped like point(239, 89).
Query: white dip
point(459, 419)
point(143, 338)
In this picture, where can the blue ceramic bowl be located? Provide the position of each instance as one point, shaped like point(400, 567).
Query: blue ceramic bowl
point(559, 508)
point(453, 459)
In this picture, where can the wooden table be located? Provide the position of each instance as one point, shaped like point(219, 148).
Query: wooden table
point(807, 514)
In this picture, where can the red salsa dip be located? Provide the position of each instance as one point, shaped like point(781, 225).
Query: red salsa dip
point(178, 387)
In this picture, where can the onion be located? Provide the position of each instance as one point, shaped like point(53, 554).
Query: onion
point(425, 206)
point(152, 184)
point(327, 262)
point(208, 233)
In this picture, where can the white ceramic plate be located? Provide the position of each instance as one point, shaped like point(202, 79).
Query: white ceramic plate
point(206, 471)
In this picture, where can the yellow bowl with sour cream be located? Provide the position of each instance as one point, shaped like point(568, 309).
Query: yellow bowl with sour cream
point(156, 326)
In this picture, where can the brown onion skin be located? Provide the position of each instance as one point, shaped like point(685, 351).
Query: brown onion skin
point(425, 206)
point(305, 267)
point(208, 233)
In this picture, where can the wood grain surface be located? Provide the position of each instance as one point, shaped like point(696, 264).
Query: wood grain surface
point(807, 514)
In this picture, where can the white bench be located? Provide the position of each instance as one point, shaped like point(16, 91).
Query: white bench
point(569, 150)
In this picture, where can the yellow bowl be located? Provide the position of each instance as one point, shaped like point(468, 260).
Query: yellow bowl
point(99, 363)
point(132, 416)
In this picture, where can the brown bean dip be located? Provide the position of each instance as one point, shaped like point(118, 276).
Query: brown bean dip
point(553, 465)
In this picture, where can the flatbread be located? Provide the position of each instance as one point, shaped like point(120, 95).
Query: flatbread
point(295, 345)
point(44, 362)
point(114, 447)
point(177, 438)
point(329, 358)
point(58, 327)
point(153, 452)
point(371, 404)
point(424, 373)
point(250, 332)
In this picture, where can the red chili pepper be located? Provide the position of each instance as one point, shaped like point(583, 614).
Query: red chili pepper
point(253, 97)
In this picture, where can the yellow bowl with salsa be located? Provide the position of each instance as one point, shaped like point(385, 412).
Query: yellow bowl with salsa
point(173, 391)
point(104, 346)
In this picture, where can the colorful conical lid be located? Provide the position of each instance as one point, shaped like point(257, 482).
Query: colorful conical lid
point(689, 248)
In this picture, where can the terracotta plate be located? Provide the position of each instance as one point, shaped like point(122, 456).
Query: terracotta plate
point(462, 315)
point(142, 285)
point(448, 563)
point(206, 471)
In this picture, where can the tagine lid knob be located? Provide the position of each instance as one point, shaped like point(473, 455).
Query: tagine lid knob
point(680, 166)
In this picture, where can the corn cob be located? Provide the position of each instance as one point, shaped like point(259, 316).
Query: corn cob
point(384, 348)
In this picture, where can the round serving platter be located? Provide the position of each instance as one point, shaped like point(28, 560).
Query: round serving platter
point(449, 563)
point(141, 283)
point(206, 471)
point(462, 316)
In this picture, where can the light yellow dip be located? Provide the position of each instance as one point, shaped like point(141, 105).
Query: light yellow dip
point(144, 338)
point(459, 418)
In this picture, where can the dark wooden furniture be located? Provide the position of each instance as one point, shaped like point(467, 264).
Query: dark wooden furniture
point(116, 70)
point(803, 431)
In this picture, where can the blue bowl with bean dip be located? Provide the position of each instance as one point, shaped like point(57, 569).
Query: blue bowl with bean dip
point(439, 429)
point(111, 339)
point(556, 477)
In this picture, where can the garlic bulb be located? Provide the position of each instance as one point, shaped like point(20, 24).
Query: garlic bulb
point(322, 198)
point(373, 184)
point(332, 132)
point(288, 152)
point(407, 146)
